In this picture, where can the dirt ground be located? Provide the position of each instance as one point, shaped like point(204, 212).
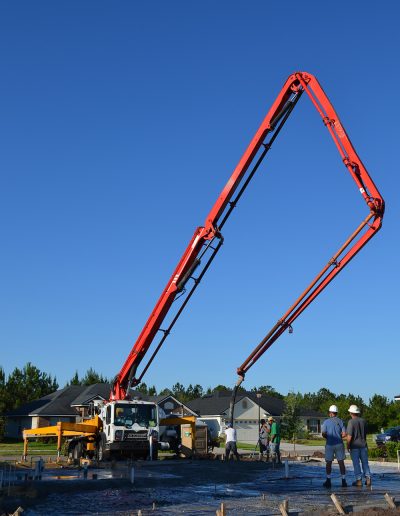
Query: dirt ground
point(195, 488)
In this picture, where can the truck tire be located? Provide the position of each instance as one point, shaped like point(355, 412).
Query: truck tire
point(102, 453)
point(155, 453)
point(77, 450)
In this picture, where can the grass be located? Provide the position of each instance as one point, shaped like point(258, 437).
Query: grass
point(11, 447)
point(308, 442)
point(245, 446)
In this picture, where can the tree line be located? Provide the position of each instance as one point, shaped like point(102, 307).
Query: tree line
point(29, 383)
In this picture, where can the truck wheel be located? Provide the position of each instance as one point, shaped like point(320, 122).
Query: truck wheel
point(77, 451)
point(155, 454)
point(103, 454)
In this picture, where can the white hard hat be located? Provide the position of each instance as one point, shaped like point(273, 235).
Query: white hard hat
point(354, 409)
point(333, 408)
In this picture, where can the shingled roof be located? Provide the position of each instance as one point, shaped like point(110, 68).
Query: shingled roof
point(57, 403)
point(91, 392)
point(218, 402)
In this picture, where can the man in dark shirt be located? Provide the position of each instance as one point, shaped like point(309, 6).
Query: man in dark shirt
point(357, 446)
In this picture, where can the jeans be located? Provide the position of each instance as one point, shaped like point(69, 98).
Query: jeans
point(357, 455)
point(275, 451)
point(231, 447)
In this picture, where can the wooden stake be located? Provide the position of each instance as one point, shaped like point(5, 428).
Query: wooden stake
point(222, 510)
point(283, 510)
point(390, 501)
point(154, 506)
point(338, 505)
point(286, 505)
point(139, 513)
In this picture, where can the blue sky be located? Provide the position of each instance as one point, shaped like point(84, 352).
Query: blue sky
point(121, 122)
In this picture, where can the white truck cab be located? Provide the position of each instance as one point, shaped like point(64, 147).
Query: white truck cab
point(130, 428)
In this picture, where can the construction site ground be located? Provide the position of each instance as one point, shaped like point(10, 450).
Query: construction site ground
point(193, 488)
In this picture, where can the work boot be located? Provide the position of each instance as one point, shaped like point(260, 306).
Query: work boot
point(357, 483)
point(344, 483)
point(327, 483)
point(368, 481)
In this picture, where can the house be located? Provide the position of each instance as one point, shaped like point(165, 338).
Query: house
point(397, 398)
point(249, 408)
point(45, 411)
point(72, 405)
point(170, 405)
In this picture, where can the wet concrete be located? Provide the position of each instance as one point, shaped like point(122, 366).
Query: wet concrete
point(198, 487)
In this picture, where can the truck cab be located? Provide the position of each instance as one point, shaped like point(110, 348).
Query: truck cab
point(130, 428)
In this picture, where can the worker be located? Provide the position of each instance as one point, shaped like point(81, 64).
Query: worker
point(230, 445)
point(263, 439)
point(333, 431)
point(357, 446)
point(275, 439)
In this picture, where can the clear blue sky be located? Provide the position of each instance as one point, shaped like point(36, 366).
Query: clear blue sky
point(121, 122)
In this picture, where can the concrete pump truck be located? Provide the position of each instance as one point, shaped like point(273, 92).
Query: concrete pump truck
point(126, 426)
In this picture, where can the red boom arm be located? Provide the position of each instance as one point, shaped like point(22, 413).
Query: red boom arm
point(203, 241)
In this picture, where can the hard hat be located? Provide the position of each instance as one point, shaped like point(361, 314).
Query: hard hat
point(333, 408)
point(354, 409)
point(270, 418)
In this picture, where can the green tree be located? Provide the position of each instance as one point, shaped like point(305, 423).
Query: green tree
point(165, 392)
point(268, 391)
point(142, 387)
point(292, 425)
point(148, 391)
point(152, 390)
point(221, 388)
point(74, 380)
point(91, 377)
point(378, 412)
point(27, 384)
point(194, 391)
point(179, 391)
point(320, 400)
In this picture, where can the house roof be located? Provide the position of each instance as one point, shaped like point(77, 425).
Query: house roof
point(163, 397)
point(218, 404)
point(90, 392)
point(64, 401)
point(57, 403)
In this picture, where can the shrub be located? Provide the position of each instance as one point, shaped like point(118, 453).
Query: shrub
point(391, 450)
point(377, 453)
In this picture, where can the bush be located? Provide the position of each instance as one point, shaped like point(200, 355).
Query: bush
point(391, 450)
point(377, 453)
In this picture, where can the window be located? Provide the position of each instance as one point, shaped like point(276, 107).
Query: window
point(128, 415)
point(314, 426)
point(244, 404)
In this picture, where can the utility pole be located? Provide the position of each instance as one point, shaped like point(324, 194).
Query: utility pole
point(258, 394)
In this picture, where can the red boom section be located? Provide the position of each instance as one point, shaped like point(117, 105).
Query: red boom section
point(371, 224)
point(204, 237)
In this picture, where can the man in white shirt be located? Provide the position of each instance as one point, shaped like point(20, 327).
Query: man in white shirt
point(230, 445)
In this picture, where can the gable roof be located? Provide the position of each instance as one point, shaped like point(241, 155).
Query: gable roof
point(64, 401)
point(159, 399)
point(90, 392)
point(57, 403)
point(218, 402)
